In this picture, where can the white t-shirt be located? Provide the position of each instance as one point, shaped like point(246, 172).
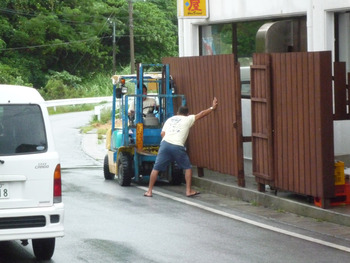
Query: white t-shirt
point(177, 129)
point(145, 104)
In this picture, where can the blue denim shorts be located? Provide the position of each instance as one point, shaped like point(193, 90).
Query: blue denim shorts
point(169, 153)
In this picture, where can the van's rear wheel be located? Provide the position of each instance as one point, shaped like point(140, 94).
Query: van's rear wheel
point(43, 248)
point(124, 169)
point(108, 175)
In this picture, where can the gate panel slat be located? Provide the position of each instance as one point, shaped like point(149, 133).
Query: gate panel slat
point(340, 98)
point(203, 99)
point(193, 108)
point(295, 122)
point(306, 124)
point(285, 99)
point(217, 120)
point(219, 114)
point(227, 99)
point(223, 112)
point(300, 112)
point(261, 119)
point(318, 125)
point(211, 125)
point(327, 134)
point(278, 117)
point(313, 151)
point(289, 122)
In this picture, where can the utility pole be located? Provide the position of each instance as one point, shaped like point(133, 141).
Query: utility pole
point(114, 59)
point(112, 21)
point(131, 30)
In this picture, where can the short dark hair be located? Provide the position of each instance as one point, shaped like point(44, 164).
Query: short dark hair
point(183, 110)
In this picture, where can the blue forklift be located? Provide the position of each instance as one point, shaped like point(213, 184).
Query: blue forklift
point(133, 142)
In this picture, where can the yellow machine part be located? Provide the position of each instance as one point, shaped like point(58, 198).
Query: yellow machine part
point(111, 165)
point(108, 138)
point(149, 150)
point(139, 136)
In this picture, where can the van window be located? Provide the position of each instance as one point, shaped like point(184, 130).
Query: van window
point(22, 129)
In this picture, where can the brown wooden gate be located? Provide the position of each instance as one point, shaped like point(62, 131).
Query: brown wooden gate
point(215, 142)
point(341, 92)
point(301, 123)
point(262, 141)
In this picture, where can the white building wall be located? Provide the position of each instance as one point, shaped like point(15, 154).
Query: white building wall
point(344, 37)
point(319, 19)
point(254, 9)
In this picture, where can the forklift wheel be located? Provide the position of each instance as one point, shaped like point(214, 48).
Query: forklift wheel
point(108, 175)
point(124, 169)
point(177, 175)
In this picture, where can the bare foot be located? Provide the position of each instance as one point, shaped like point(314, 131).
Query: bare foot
point(147, 194)
point(192, 193)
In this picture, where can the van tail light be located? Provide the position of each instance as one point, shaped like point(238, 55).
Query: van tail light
point(57, 185)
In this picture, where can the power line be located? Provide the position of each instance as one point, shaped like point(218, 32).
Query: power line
point(12, 11)
point(48, 45)
point(15, 12)
point(34, 15)
point(65, 43)
point(18, 12)
point(105, 23)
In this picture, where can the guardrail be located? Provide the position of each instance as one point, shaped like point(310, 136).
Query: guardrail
point(77, 101)
point(64, 102)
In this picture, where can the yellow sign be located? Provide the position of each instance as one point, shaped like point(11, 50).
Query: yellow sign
point(195, 8)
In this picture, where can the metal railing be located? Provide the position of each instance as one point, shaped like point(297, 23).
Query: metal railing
point(77, 101)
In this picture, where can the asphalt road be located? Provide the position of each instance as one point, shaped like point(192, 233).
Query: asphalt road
point(105, 222)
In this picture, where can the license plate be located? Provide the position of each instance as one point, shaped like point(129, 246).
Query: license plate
point(4, 191)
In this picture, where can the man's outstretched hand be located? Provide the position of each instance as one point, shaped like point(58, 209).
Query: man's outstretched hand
point(215, 103)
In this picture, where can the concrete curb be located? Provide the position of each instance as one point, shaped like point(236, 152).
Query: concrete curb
point(271, 201)
point(92, 147)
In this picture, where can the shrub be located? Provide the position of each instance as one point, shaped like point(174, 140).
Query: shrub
point(62, 85)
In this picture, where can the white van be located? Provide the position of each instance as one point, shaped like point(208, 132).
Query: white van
point(30, 176)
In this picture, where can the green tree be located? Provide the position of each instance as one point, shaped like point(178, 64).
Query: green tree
point(38, 36)
point(246, 33)
point(152, 43)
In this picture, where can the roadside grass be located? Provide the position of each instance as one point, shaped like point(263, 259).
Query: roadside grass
point(101, 134)
point(99, 125)
point(70, 108)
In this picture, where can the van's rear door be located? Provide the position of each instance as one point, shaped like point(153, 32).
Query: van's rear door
point(26, 166)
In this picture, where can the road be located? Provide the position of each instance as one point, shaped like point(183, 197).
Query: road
point(105, 222)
